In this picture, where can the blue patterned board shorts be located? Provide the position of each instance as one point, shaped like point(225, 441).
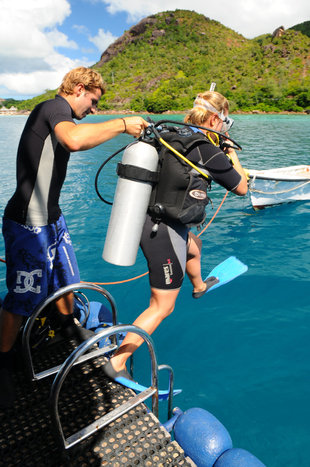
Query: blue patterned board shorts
point(39, 261)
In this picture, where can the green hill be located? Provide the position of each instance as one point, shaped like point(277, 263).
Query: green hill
point(303, 27)
point(162, 62)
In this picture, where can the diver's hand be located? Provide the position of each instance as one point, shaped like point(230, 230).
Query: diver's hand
point(225, 144)
point(135, 126)
point(231, 154)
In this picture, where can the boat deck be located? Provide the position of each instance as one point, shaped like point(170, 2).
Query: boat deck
point(26, 435)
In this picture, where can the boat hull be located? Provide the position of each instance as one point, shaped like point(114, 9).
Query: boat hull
point(277, 186)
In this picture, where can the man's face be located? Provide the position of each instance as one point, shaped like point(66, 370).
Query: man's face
point(86, 102)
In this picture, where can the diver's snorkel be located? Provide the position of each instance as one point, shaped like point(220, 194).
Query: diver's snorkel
point(212, 86)
point(227, 122)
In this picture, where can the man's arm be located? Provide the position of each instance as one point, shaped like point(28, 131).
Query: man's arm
point(82, 136)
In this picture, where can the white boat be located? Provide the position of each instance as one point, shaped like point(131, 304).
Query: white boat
point(281, 185)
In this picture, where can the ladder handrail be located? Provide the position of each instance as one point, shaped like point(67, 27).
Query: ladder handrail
point(78, 296)
point(26, 349)
point(171, 387)
point(109, 417)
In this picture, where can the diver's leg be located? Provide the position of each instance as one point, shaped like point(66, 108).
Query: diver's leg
point(162, 304)
point(10, 324)
point(65, 272)
point(193, 264)
point(9, 327)
point(193, 267)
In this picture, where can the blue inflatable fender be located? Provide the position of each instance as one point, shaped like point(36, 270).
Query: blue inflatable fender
point(237, 457)
point(202, 437)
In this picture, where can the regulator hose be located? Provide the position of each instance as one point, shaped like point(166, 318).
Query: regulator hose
point(99, 170)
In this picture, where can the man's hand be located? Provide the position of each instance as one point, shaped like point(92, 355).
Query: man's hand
point(134, 126)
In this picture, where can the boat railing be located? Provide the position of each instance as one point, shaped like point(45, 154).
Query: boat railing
point(26, 345)
point(87, 350)
point(84, 303)
point(75, 356)
point(171, 387)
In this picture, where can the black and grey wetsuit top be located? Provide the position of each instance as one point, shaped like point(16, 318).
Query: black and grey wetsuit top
point(41, 166)
point(211, 158)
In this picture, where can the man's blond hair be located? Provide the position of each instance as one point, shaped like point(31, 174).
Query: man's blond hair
point(90, 78)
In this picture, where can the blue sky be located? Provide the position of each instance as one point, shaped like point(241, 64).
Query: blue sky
point(40, 40)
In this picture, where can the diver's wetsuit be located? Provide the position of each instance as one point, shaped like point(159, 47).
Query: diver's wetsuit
point(166, 250)
point(39, 253)
point(41, 166)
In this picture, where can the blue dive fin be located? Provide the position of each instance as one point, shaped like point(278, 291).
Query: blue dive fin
point(162, 394)
point(226, 271)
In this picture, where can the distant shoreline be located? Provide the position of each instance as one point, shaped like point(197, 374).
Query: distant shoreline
point(176, 112)
point(170, 112)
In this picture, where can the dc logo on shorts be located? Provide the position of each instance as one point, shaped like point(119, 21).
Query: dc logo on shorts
point(51, 252)
point(67, 238)
point(27, 280)
point(35, 230)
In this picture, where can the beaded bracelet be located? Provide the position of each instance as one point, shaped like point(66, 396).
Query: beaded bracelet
point(124, 125)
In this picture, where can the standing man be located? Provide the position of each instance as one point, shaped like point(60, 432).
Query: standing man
point(39, 254)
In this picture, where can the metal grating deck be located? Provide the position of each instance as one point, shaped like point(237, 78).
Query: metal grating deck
point(134, 439)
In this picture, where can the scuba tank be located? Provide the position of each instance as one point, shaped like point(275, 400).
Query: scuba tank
point(137, 173)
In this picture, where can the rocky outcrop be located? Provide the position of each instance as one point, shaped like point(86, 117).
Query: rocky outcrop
point(278, 32)
point(132, 35)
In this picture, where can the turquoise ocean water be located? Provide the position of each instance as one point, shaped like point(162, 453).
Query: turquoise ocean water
point(241, 352)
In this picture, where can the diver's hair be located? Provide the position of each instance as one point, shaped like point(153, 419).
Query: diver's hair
point(199, 113)
point(90, 78)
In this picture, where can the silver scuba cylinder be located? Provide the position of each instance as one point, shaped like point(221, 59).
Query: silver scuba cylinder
point(129, 208)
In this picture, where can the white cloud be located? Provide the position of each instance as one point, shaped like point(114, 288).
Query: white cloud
point(81, 28)
point(248, 17)
point(59, 39)
point(103, 39)
point(36, 82)
point(28, 36)
point(24, 25)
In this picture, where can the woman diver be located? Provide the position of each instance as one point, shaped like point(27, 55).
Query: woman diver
point(173, 249)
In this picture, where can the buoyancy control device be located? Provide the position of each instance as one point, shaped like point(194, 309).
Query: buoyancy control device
point(181, 192)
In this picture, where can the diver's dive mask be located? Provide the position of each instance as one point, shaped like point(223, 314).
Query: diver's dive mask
point(227, 121)
point(227, 124)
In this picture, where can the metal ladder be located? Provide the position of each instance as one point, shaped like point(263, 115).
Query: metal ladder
point(82, 354)
point(31, 321)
